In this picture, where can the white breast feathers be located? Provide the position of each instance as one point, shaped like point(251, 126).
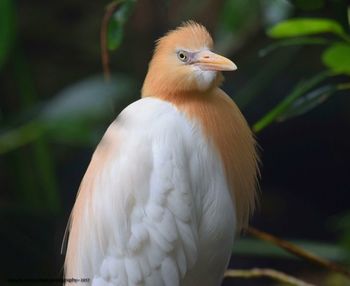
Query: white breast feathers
point(153, 207)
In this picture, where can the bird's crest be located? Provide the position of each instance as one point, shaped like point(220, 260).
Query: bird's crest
point(190, 34)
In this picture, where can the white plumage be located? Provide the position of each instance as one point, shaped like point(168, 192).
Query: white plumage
point(159, 216)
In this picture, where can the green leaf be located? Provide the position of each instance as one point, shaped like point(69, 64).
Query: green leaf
point(337, 58)
point(305, 26)
point(308, 102)
point(73, 114)
point(117, 22)
point(13, 138)
point(7, 28)
point(78, 133)
point(89, 99)
point(298, 91)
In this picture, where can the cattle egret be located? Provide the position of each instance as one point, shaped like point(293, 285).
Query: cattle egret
point(172, 180)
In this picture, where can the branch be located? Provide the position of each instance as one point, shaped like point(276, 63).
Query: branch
point(104, 34)
point(298, 251)
point(270, 273)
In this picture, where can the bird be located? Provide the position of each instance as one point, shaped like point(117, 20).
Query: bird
point(173, 180)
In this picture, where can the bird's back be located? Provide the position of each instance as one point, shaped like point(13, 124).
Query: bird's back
point(154, 206)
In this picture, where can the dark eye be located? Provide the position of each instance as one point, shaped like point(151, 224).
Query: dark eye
point(182, 55)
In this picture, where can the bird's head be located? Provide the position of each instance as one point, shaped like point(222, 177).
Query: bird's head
point(183, 62)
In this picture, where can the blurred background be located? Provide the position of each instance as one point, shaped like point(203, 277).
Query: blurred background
point(292, 85)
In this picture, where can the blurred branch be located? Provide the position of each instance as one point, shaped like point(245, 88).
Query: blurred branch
point(298, 251)
point(110, 9)
point(270, 273)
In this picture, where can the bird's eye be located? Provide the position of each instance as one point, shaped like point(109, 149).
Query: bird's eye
point(182, 55)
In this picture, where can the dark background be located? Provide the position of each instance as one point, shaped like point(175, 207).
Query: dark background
point(55, 45)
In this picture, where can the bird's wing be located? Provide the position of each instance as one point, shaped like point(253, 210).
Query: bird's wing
point(134, 220)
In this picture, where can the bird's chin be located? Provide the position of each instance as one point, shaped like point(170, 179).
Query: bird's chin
point(205, 78)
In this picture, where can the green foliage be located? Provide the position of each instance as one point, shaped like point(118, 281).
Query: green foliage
point(337, 58)
point(72, 115)
point(342, 225)
point(308, 102)
point(117, 23)
point(235, 13)
point(7, 28)
point(307, 95)
point(305, 26)
point(286, 105)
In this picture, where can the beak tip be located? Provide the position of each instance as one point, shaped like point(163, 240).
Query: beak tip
point(233, 66)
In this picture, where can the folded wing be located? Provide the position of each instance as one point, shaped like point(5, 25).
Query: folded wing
point(134, 221)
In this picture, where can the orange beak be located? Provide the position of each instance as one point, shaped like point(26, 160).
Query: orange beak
point(208, 60)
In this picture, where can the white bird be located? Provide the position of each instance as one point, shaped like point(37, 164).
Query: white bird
point(172, 180)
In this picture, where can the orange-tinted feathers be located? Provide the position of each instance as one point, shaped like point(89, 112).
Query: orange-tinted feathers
point(165, 74)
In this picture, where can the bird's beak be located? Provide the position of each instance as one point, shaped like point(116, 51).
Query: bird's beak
point(208, 60)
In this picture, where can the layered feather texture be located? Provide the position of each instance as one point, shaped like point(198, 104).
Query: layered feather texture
point(158, 216)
